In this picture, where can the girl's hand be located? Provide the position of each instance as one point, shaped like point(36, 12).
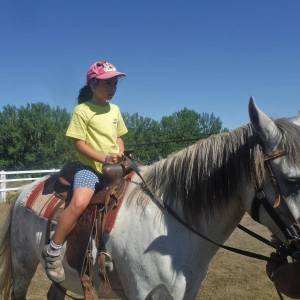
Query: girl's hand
point(112, 159)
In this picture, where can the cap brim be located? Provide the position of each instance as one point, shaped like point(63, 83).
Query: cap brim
point(111, 74)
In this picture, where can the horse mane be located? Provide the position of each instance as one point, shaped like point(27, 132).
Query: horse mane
point(205, 175)
point(290, 139)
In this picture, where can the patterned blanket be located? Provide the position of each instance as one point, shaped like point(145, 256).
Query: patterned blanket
point(42, 200)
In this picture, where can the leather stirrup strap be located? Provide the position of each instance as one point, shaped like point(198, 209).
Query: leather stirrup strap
point(88, 289)
point(86, 281)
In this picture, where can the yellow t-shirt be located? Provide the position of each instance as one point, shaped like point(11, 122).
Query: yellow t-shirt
point(99, 126)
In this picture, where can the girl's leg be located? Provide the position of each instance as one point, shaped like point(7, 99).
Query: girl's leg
point(85, 182)
point(68, 218)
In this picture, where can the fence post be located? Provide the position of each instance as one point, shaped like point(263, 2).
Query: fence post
point(2, 186)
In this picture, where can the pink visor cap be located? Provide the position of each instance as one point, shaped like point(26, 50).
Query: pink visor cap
point(102, 70)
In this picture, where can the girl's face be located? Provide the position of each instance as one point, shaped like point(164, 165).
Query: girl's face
point(104, 90)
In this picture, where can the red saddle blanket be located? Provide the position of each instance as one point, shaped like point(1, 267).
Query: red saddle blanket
point(42, 200)
point(45, 203)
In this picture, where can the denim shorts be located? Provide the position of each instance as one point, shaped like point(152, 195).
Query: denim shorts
point(87, 177)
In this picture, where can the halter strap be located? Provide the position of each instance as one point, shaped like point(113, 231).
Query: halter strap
point(290, 232)
point(274, 154)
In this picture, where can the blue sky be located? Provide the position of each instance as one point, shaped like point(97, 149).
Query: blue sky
point(209, 56)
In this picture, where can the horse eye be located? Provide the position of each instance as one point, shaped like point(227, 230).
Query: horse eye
point(294, 180)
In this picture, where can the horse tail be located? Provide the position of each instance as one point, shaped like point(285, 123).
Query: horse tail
point(5, 257)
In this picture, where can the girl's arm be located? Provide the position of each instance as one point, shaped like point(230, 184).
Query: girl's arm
point(120, 142)
point(88, 151)
point(91, 153)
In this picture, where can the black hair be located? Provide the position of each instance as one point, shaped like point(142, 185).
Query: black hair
point(85, 94)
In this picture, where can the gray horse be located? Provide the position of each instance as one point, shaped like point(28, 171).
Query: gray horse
point(210, 185)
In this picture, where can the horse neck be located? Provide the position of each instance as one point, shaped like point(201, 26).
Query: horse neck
point(223, 222)
point(225, 166)
point(218, 226)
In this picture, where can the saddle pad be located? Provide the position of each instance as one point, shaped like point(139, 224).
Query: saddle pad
point(42, 200)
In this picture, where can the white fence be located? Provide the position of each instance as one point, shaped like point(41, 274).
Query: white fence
point(4, 180)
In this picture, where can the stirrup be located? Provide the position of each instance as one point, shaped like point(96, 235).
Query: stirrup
point(108, 261)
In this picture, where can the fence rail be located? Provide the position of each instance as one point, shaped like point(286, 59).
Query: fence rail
point(4, 180)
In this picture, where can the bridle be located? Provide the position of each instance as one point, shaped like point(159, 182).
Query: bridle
point(290, 231)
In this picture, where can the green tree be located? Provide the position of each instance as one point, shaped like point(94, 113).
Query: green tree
point(34, 137)
point(142, 130)
point(10, 138)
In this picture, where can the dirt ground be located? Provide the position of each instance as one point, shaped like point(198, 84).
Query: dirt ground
point(230, 276)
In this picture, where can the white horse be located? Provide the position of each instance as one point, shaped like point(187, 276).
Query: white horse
point(210, 185)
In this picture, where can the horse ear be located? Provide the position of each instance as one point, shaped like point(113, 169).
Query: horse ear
point(296, 120)
point(264, 126)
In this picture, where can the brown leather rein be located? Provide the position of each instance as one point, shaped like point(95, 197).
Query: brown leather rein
point(260, 199)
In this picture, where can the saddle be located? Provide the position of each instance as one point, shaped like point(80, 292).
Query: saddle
point(113, 176)
point(96, 221)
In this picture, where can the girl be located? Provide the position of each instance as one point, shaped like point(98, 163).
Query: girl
point(96, 128)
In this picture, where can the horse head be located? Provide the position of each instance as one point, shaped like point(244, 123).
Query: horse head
point(280, 142)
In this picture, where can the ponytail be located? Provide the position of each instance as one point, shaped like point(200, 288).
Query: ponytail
point(85, 94)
